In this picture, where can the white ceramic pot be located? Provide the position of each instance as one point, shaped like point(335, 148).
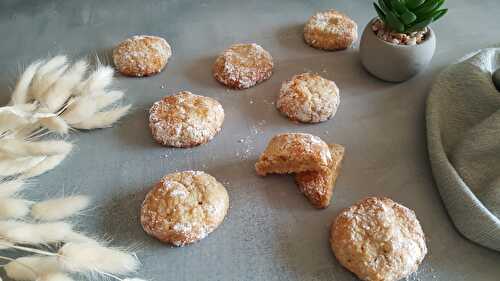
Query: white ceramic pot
point(391, 62)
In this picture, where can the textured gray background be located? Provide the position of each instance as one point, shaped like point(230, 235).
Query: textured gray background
point(271, 232)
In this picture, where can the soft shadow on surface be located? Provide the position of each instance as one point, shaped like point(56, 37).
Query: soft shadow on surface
point(135, 131)
point(200, 71)
point(120, 216)
point(292, 37)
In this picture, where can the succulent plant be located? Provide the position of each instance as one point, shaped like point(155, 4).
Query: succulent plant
point(406, 16)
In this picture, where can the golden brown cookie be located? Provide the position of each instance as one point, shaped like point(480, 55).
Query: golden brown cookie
point(378, 240)
point(294, 153)
point(330, 30)
point(308, 98)
point(242, 66)
point(184, 207)
point(185, 119)
point(141, 55)
point(318, 186)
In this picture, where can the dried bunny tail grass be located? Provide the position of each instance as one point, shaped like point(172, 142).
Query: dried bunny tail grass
point(20, 94)
point(10, 167)
point(30, 268)
point(14, 208)
point(29, 159)
point(11, 188)
point(60, 208)
point(31, 233)
point(49, 163)
point(103, 119)
point(19, 148)
point(56, 276)
point(55, 98)
point(97, 81)
point(79, 109)
point(46, 75)
point(104, 100)
point(55, 124)
point(4, 245)
point(89, 257)
point(76, 237)
point(13, 117)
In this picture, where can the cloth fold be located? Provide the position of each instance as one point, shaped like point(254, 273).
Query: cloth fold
point(463, 138)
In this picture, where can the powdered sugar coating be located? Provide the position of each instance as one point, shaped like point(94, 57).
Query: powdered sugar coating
point(185, 119)
point(184, 207)
point(294, 153)
point(378, 240)
point(243, 66)
point(330, 30)
point(308, 98)
point(141, 55)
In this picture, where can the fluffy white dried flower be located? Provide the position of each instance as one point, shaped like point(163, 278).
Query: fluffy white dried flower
point(103, 119)
point(55, 86)
point(49, 163)
point(59, 208)
point(11, 188)
point(14, 208)
point(19, 116)
point(107, 98)
point(91, 257)
point(54, 96)
point(20, 94)
point(97, 81)
point(20, 148)
point(10, 167)
point(5, 245)
point(76, 237)
point(31, 233)
point(31, 267)
point(59, 93)
point(46, 75)
point(55, 124)
point(79, 109)
point(31, 158)
point(56, 276)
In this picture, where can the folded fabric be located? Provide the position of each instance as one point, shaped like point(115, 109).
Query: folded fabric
point(463, 135)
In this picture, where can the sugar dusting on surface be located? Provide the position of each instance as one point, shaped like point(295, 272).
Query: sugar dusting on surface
point(247, 144)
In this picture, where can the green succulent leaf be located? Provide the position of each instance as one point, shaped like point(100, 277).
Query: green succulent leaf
point(408, 17)
point(439, 14)
point(382, 5)
point(420, 25)
point(388, 4)
point(413, 4)
point(394, 23)
point(380, 13)
point(398, 6)
point(429, 6)
point(432, 14)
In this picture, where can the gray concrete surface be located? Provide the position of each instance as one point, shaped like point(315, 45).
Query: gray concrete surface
point(271, 232)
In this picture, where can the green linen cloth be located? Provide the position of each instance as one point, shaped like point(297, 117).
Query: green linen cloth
point(463, 135)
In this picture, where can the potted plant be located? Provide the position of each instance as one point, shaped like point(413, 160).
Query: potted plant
point(399, 43)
